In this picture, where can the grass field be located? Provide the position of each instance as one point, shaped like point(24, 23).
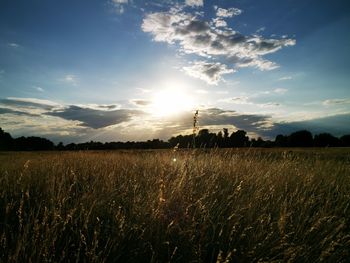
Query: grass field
point(274, 205)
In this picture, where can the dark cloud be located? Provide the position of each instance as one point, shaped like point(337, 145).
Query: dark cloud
point(94, 118)
point(141, 102)
point(10, 111)
point(261, 125)
point(28, 103)
point(210, 72)
point(337, 125)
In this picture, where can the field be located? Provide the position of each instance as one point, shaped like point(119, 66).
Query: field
point(234, 205)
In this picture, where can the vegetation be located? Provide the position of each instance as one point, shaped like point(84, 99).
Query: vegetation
point(219, 205)
point(204, 139)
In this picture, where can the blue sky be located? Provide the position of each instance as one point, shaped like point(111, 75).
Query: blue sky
point(133, 70)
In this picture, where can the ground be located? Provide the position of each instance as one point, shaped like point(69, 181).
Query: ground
point(220, 205)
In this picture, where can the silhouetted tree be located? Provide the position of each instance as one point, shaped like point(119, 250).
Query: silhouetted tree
point(345, 140)
point(206, 139)
point(33, 144)
point(326, 140)
point(257, 142)
point(6, 141)
point(239, 139)
point(301, 138)
point(281, 141)
point(60, 146)
point(226, 142)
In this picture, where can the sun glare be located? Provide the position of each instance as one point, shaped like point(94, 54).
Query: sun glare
point(171, 101)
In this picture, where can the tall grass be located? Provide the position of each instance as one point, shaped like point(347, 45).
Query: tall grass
point(214, 206)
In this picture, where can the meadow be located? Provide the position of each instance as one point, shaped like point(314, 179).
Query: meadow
point(219, 205)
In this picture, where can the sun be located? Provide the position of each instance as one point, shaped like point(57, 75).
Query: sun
point(171, 101)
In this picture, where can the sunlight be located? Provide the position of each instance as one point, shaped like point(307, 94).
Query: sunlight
point(171, 101)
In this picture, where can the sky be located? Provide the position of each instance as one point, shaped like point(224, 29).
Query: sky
point(118, 70)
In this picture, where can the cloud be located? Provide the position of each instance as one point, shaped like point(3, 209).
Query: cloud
point(140, 102)
point(118, 5)
point(207, 71)
point(201, 91)
point(38, 88)
point(192, 34)
point(337, 125)
point(230, 12)
point(285, 78)
point(280, 91)
point(71, 79)
point(219, 22)
point(336, 102)
point(194, 2)
point(13, 45)
point(10, 111)
point(94, 118)
point(240, 100)
point(261, 29)
point(110, 122)
point(31, 103)
point(243, 100)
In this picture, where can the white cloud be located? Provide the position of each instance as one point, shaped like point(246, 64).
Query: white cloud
point(261, 29)
point(38, 88)
point(202, 91)
point(118, 5)
point(142, 90)
point(194, 2)
point(285, 78)
point(336, 102)
point(194, 35)
point(140, 102)
point(230, 12)
point(71, 79)
point(240, 100)
point(219, 22)
point(280, 91)
point(207, 71)
point(13, 45)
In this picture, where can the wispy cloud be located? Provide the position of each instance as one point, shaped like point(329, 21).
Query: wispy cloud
point(330, 102)
point(13, 45)
point(212, 40)
point(280, 91)
point(285, 78)
point(244, 100)
point(30, 102)
point(141, 102)
point(261, 29)
point(118, 5)
point(71, 79)
point(40, 89)
point(201, 91)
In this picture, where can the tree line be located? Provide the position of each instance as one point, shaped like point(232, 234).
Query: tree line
point(204, 139)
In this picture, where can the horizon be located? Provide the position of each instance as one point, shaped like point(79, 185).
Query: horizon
point(130, 70)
